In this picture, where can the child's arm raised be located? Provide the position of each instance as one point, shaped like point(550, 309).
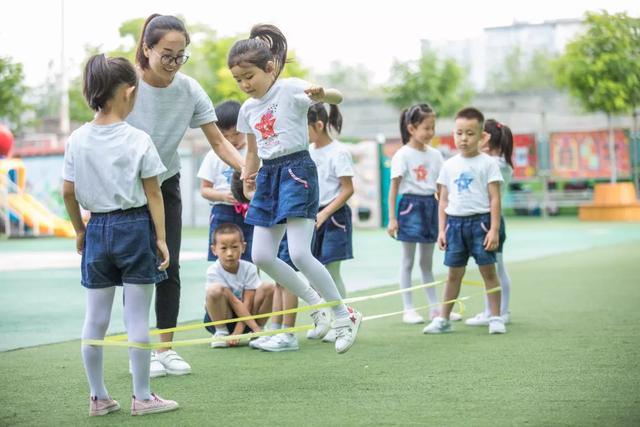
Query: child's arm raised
point(221, 146)
point(73, 209)
point(156, 209)
point(392, 227)
point(443, 202)
point(492, 239)
point(346, 191)
point(320, 94)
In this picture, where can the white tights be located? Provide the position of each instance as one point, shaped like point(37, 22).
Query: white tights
point(505, 288)
point(406, 265)
point(137, 300)
point(266, 241)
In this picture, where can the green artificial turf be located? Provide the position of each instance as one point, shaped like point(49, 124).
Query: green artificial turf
point(569, 358)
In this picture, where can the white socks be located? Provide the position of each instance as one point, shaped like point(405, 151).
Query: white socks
point(406, 265)
point(505, 287)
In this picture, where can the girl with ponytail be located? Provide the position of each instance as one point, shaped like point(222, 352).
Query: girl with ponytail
point(286, 185)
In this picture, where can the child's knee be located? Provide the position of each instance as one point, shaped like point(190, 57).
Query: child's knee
point(489, 272)
point(215, 292)
point(268, 289)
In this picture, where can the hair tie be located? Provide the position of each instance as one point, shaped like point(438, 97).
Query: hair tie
point(499, 125)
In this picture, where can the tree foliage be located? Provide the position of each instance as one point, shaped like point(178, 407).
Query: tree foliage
point(519, 74)
point(441, 83)
point(207, 64)
point(601, 67)
point(12, 93)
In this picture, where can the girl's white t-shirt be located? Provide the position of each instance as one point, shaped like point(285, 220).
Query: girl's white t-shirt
point(166, 113)
point(245, 279)
point(107, 163)
point(467, 180)
point(217, 172)
point(333, 162)
point(418, 169)
point(278, 119)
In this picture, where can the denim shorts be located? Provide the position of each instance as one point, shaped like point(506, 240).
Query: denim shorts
point(230, 326)
point(331, 242)
point(418, 219)
point(286, 187)
point(120, 247)
point(465, 237)
point(221, 214)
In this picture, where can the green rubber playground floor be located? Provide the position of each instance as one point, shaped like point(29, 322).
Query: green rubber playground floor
point(41, 306)
point(569, 358)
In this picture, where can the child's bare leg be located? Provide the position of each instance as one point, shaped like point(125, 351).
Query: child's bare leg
point(218, 306)
point(277, 306)
point(491, 281)
point(289, 301)
point(451, 289)
point(263, 302)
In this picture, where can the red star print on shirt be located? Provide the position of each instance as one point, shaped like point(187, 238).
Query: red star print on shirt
point(266, 124)
point(421, 173)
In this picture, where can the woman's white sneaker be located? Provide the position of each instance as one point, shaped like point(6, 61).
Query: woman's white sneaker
point(439, 325)
point(173, 363)
point(322, 321)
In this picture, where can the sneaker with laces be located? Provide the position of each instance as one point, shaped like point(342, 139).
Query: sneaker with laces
point(455, 317)
point(322, 321)
point(173, 363)
point(412, 317)
point(152, 406)
point(439, 325)
point(219, 344)
point(480, 319)
point(257, 343)
point(156, 369)
point(347, 330)
point(496, 325)
point(98, 407)
point(281, 342)
point(330, 337)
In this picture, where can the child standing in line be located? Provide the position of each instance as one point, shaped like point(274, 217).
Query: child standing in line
point(234, 288)
point(111, 169)
point(216, 176)
point(333, 241)
point(469, 218)
point(414, 171)
point(498, 143)
point(286, 197)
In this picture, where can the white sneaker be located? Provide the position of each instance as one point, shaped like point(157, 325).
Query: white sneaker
point(330, 337)
point(439, 325)
point(281, 342)
point(219, 344)
point(173, 363)
point(496, 325)
point(322, 322)
point(347, 330)
point(507, 318)
point(257, 343)
point(480, 319)
point(412, 317)
point(455, 317)
point(152, 406)
point(156, 369)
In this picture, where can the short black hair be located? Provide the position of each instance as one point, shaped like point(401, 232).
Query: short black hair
point(226, 228)
point(227, 113)
point(471, 113)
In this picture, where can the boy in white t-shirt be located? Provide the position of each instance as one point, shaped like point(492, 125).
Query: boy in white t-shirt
point(234, 288)
point(469, 218)
point(215, 176)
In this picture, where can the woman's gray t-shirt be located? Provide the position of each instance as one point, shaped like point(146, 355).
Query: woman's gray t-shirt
point(165, 113)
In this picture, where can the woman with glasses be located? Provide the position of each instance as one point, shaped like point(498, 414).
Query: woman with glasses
point(167, 103)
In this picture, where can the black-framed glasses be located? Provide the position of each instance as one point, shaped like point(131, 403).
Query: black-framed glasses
point(166, 59)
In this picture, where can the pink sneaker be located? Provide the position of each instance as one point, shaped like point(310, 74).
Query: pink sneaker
point(98, 407)
point(152, 406)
